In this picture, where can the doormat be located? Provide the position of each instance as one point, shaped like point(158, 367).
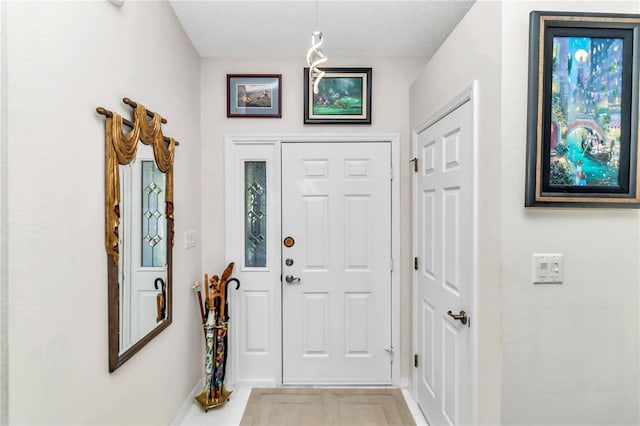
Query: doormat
point(322, 407)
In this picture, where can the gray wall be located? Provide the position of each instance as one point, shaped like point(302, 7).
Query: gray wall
point(570, 351)
point(64, 60)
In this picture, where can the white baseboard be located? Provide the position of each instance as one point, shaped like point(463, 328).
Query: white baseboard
point(259, 383)
point(188, 403)
point(405, 382)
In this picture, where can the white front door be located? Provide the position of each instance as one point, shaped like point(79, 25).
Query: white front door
point(336, 270)
point(444, 208)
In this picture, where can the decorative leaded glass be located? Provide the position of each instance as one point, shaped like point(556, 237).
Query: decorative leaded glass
point(255, 209)
point(154, 225)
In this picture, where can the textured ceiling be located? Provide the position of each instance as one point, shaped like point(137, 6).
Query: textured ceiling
point(283, 28)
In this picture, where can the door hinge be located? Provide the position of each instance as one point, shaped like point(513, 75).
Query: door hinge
point(391, 171)
point(391, 264)
point(415, 360)
point(415, 263)
point(414, 160)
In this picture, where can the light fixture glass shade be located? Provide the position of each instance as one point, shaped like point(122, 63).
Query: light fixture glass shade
point(315, 57)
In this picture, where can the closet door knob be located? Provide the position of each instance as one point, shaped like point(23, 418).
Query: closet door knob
point(462, 317)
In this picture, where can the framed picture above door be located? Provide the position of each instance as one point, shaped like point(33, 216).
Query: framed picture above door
point(344, 97)
point(254, 95)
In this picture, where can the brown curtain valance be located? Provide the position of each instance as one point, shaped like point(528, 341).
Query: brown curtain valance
point(121, 148)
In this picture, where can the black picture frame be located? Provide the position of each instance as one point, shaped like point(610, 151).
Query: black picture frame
point(582, 123)
point(334, 104)
point(254, 95)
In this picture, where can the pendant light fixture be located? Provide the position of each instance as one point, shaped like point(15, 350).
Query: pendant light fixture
point(315, 56)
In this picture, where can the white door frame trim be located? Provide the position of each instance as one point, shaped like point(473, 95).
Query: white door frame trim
point(234, 250)
point(469, 94)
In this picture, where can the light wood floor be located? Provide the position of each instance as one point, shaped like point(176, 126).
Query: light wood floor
point(230, 414)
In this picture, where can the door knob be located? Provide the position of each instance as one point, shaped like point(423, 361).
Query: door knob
point(290, 279)
point(462, 317)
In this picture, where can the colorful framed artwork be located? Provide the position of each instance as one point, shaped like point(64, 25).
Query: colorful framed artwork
point(254, 95)
point(582, 135)
point(344, 97)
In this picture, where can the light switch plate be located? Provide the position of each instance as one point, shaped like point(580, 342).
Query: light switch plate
point(548, 268)
point(189, 239)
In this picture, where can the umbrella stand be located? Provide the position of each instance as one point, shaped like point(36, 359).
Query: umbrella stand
point(215, 324)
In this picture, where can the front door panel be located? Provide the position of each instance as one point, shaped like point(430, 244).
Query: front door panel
point(336, 270)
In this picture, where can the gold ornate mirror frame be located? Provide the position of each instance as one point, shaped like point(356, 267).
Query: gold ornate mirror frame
point(120, 149)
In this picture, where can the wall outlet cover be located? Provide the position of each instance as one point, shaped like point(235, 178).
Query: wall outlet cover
point(548, 268)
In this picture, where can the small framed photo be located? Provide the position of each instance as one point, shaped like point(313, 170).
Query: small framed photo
point(344, 97)
point(582, 136)
point(254, 95)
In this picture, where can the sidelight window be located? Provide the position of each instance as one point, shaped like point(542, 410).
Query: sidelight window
point(255, 208)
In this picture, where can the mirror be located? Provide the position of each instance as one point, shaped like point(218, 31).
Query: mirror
point(139, 230)
point(142, 244)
